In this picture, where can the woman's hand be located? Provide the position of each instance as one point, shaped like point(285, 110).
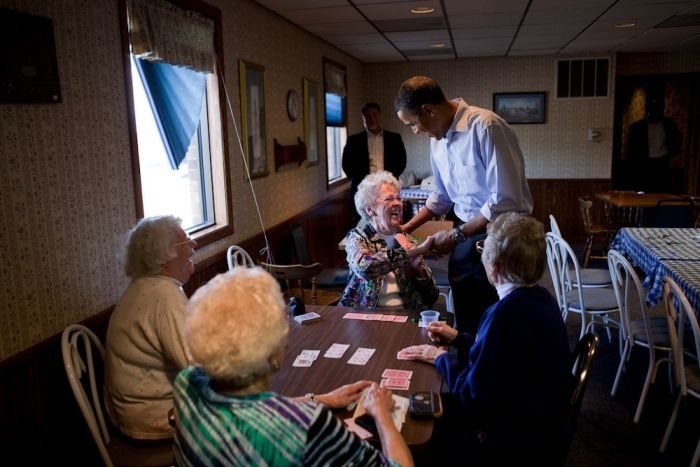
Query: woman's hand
point(443, 241)
point(342, 396)
point(441, 332)
point(425, 353)
point(378, 401)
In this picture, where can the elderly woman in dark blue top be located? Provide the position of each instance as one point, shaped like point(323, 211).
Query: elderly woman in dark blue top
point(507, 383)
point(386, 266)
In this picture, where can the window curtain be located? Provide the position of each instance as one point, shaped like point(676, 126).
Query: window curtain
point(176, 95)
point(173, 49)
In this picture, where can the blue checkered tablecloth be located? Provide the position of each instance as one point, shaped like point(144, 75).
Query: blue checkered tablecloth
point(660, 252)
point(414, 193)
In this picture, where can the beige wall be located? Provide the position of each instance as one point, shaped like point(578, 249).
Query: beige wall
point(65, 169)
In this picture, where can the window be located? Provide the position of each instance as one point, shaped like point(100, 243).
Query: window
point(336, 119)
point(179, 160)
point(583, 77)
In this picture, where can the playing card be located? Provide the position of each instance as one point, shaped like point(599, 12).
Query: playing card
point(358, 430)
point(354, 316)
point(399, 384)
point(310, 354)
point(402, 356)
point(373, 317)
point(387, 317)
point(336, 350)
point(391, 373)
point(400, 318)
point(302, 362)
point(361, 356)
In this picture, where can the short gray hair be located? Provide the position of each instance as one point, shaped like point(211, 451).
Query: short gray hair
point(516, 243)
point(369, 188)
point(149, 245)
point(235, 323)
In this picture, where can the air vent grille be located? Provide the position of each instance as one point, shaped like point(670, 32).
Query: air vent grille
point(585, 77)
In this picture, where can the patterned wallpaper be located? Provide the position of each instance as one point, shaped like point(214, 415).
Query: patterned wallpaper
point(66, 190)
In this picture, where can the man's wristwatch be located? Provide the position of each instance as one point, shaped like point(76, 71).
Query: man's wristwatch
point(459, 236)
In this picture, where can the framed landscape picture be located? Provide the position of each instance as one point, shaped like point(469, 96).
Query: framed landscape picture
point(520, 107)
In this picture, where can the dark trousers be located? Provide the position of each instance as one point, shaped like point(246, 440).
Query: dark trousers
point(471, 291)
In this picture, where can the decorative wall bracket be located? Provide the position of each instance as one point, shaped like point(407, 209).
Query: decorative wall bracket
point(288, 154)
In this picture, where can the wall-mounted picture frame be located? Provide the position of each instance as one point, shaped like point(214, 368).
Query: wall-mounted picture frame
point(312, 123)
point(520, 107)
point(29, 69)
point(253, 118)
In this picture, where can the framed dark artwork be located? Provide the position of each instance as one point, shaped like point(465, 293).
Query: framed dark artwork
point(520, 107)
point(28, 65)
point(254, 132)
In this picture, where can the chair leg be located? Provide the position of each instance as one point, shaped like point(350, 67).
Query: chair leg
point(696, 456)
point(671, 422)
point(645, 389)
point(587, 251)
point(623, 359)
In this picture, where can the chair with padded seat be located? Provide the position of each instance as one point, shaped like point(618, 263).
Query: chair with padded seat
point(296, 277)
point(594, 232)
point(681, 320)
point(237, 256)
point(81, 350)
point(581, 361)
point(590, 277)
point(637, 328)
point(592, 303)
point(675, 212)
point(328, 277)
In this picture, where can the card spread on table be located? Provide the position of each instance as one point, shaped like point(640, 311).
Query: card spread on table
point(376, 317)
point(302, 361)
point(354, 315)
point(400, 318)
point(391, 373)
point(361, 356)
point(400, 384)
point(336, 350)
point(310, 354)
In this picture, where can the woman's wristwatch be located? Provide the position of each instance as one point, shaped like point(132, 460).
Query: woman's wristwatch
point(458, 235)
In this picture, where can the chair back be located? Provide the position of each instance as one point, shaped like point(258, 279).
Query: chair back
point(295, 276)
point(678, 212)
point(630, 295)
point(681, 319)
point(581, 360)
point(584, 207)
point(553, 225)
point(329, 277)
point(79, 347)
point(300, 246)
point(565, 270)
point(556, 272)
point(237, 256)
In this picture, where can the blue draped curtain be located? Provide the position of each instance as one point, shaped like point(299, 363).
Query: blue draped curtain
point(175, 94)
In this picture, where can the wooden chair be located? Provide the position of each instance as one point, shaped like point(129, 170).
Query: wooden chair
point(296, 276)
point(674, 213)
point(593, 231)
point(328, 277)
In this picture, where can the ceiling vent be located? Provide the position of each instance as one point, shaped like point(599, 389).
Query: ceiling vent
point(413, 24)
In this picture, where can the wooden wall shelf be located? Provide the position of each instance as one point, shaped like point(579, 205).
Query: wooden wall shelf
point(289, 154)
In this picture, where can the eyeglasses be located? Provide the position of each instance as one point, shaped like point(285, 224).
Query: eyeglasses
point(391, 199)
point(187, 241)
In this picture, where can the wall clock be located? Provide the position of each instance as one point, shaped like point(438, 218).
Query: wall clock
point(292, 105)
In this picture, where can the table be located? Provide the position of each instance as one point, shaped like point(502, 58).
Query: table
point(663, 252)
point(327, 374)
point(416, 197)
point(626, 208)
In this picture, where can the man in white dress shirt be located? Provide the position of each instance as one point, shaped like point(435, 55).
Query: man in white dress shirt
point(479, 171)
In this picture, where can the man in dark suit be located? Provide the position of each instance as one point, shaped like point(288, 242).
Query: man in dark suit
point(651, 144)
point(372, 150)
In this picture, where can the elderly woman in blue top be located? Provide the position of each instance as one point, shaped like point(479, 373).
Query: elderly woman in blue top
point(386, 267)
point(508, 391)
point(236, 329)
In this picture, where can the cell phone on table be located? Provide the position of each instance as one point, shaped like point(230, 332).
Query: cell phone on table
point(367, 422)
point(425, 404)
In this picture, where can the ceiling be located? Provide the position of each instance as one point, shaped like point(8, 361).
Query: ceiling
point(386, 30)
